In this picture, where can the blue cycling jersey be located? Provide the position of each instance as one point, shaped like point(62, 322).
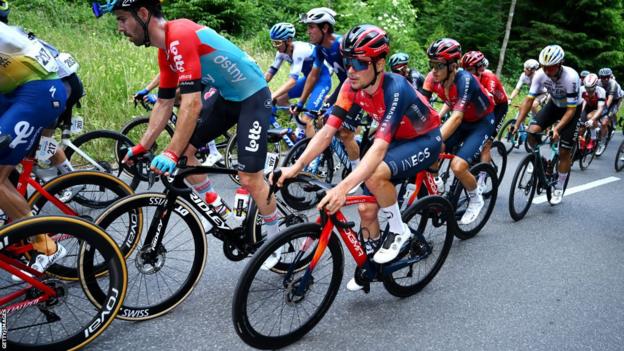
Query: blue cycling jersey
point(333, 56)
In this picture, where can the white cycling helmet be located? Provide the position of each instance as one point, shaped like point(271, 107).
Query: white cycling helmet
point(551, 55)
point(531, 64)
point(319, 15)
point(591, 81)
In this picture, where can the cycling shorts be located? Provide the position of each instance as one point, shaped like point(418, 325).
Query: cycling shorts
point(470, 137)
point(550, 114)
point(251, 117)
point(73, 84)
point(317, 97)
point(25, 112)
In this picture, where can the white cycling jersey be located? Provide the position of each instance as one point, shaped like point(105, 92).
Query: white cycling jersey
point(564, 92)
point(300, 62)
point(525, 80)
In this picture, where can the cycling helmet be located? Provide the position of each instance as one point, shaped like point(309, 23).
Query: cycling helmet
point(365, 41)
point(551, 55)
point(319, 15)
point(4, 11)
point(531, 64)
point(472, 59)
point(282, 31)
point(100, 9)
point(591, 81)
point(399, 59)
point(584, 74)
point(605, 72)
point(445, 49)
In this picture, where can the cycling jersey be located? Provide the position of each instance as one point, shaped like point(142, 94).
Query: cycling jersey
point(564, 92)
point(22, 59)
point(492, 84)
point(402, 112)
point(416, 79)
point(612, 88)
point(596, 100)
point(466, 95)
point(526, 80)
point(333, 56)
point(197, 55)
point(300, 63)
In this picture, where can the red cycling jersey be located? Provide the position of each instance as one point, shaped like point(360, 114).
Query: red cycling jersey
point(466, 95)
point(491, 83)
point(402, 112)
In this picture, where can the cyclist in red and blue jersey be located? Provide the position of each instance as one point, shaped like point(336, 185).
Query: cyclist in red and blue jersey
point(191, 56)
point(320, 23)
point(473, 62)
point(300, 56)
point(472, 121)
point(407, 141)
point(593, 110)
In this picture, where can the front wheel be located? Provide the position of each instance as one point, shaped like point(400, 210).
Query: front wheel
point(431, 221)
point(322, 166)
point(619, 158)
point(523, 188)
point(272, 310)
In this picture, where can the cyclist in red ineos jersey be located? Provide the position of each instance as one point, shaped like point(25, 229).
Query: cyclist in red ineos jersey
point(407, 141)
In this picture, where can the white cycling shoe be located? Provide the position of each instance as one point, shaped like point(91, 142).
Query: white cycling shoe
point(557, 197)
point(475, 205)
point(392, 245)
point(212, 159)
point(41, 262)
point(273, 259)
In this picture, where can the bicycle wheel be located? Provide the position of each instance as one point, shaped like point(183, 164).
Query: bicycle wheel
point(487, 184)
point(107, 148)
point(68, 320)
point(137, 126)
point(321, 167)
point(499, 159)
point(267, 310)
point(431, 221)
point(554, 177)
point(586, 154)
point(231, 155)
point(523, 188)
point(508, 139)
point(619, 158)
point(161, 278)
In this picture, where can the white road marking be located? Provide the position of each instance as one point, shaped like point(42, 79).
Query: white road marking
point(541, 199)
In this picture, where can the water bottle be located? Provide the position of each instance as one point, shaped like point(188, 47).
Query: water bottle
point(214, 200)
point(439, 184)
point(409, 190)
point(241, 203)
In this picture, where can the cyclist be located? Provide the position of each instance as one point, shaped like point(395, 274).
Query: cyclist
point(530, 67)
point(593, 105)
point(300, 56)
point(399, 64)
point(407, 142)
point(31, 98)
point(320, 27)
point(471, 123)
point(564, 105)
point(614, 99)
point(188, 55)
point(472, 61)
point(583, 74)
point(214, 155)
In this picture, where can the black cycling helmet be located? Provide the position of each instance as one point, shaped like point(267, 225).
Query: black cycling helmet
point(132, 6)
point(4, 11)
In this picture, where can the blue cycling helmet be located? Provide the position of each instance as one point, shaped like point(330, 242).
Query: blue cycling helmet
point(100, 9)
point(4, 11)
point(282, 31)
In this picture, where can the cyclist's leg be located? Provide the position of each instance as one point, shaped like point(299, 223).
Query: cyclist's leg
point(29, 109)
point(568, 135)
point(75, 91)
point(544, 118)
point(500, 111)
point(315, 101)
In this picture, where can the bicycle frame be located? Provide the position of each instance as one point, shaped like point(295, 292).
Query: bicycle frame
point(25, 180)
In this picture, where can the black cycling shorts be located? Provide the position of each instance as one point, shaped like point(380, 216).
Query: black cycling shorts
point(76, 92)
point(550, 114)
point(251, 117)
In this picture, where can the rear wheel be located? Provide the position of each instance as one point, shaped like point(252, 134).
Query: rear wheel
point(505, 136)
point(619, 158)
point(499, 159)
point(322, 166)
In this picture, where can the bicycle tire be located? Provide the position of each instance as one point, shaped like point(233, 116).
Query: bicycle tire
point(586, 157)
point(519, 213)
point(469, 231)
point(244, 320)
point(109, 161)
point(437, 211)
point(324, 170)
point(97, 318)
point(619, 158)
point(501, 166)
point(135, 308)
point(509, 141)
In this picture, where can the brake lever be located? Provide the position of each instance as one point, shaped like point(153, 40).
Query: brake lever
point(277, 174)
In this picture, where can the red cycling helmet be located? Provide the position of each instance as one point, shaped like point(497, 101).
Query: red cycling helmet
point(472, 59)
point(365, 41)
point(445, 49)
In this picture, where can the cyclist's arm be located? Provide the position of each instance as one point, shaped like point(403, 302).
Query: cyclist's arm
point(309, 84)
point(450, 126)
point(319, 142)
point(154, 83)
point(514, 93)
point(365, 169)
point(609, 100)
point(444, 109)
point(268, 76)
point(190, 107)
point(285, 88)
point(465, 90)
point(527, 103)
point(157, 121)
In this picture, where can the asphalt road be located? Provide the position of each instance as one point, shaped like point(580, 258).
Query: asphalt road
point(553, 281)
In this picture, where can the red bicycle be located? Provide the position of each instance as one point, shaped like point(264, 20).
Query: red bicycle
point(274, 310)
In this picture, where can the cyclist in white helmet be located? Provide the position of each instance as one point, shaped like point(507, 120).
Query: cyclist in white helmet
point(594, 97)
point(562, 110)
point(530, 67)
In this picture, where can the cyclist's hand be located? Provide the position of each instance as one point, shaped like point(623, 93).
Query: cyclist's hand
point(333, 200)
point(287, 173)
point(135, 151)
point(555, 134)
point(589, 123)
point(513, 129)
point(150, 98)
point(140, 95)
point(165, 163)
point(296, 109)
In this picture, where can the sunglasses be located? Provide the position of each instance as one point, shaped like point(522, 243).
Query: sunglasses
point(358, 65)
point(397, 69)
point(436, 66)
point(277, 43)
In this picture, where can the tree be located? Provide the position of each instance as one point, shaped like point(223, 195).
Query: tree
point(501, 58)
